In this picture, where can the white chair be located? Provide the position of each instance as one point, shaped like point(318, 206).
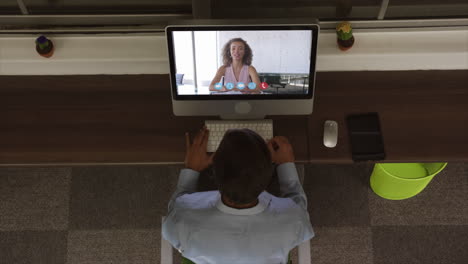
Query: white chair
point(166, 251)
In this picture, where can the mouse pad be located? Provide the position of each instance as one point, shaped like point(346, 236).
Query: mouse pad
point(365, 137)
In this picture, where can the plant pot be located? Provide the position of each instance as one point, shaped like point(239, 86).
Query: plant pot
point(345, 44)
point(47, 52)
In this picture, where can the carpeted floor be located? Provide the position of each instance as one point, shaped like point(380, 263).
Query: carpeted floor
point(112, 214)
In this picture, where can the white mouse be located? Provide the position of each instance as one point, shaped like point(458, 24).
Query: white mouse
point(330, 133)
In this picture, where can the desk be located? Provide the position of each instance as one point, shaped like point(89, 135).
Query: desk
point(423, 114)
point(102, 119)
point(105, 119)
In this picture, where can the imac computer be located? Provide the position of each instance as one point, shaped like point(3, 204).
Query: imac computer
point(242, 70)
point(237, 70)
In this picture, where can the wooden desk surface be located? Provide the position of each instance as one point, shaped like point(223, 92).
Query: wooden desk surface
point(102, 119)
point(128, 119)
point(423, 114)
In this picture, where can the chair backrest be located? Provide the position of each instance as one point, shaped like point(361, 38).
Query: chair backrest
point(179, 78)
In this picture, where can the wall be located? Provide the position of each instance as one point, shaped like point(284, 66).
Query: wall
point(275, 52)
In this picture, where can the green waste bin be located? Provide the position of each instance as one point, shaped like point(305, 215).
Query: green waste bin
point(397, 181)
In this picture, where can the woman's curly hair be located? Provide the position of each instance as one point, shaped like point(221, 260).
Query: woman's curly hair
point(227, 59)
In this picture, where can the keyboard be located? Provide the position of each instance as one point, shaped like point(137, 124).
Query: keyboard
point(217, 129)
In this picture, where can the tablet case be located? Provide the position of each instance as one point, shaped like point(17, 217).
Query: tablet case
point(365, 137)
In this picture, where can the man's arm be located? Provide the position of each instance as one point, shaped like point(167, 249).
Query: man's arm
point(187, 183)
point(196, 160)
point(290, 186)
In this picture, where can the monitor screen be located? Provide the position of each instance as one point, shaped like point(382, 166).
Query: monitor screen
point(255, 62)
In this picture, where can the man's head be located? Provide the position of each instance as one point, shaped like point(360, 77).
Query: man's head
point(242, 165)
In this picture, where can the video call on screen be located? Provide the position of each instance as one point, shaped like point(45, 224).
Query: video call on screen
point(242, 62)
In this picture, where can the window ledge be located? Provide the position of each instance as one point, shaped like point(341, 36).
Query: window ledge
point(147, 53)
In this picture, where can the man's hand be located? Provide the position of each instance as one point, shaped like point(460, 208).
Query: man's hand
point(281, 150)
point(196, 157)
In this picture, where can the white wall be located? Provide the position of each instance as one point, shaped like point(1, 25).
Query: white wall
point(275, 51)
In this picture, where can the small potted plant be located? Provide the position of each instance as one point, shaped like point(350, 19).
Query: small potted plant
point(345, 36)
point(44, 47)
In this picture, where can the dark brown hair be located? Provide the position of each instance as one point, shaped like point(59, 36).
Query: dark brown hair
point(242, 166)
point(227, 59)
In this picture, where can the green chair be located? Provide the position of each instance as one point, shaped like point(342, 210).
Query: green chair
point(397, 181)
point(187, 261)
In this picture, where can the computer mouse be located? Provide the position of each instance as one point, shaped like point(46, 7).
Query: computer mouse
point(330, 133)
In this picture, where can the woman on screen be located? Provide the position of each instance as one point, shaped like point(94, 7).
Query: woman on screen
point(237, 69)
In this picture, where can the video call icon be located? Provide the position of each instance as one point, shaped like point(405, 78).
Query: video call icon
point(229, 86)
point(240, 85)
point(218, 86)
point(252, 85)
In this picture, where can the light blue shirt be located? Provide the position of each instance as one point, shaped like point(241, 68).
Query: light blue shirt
point(206, 231)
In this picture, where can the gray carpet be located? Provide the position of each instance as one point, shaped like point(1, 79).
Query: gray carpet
point(112, 214)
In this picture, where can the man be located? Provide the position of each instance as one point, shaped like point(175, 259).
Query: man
point(240, 223)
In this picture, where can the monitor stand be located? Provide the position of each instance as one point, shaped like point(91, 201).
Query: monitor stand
point(243, 110)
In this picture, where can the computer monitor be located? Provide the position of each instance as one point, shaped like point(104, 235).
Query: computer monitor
point(242, 71)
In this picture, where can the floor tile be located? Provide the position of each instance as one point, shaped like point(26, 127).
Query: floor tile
point(34, 198)
point(420, 244)
point(114, 246)
point(337, 194)
point(346, 245)
point(23, 247)
point(120, 197)
point(443, 202)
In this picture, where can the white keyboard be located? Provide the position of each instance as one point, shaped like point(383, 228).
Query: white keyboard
point(217, 129)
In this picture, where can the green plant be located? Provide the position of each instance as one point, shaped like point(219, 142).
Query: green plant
point(43, 42)
point(344, 31)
